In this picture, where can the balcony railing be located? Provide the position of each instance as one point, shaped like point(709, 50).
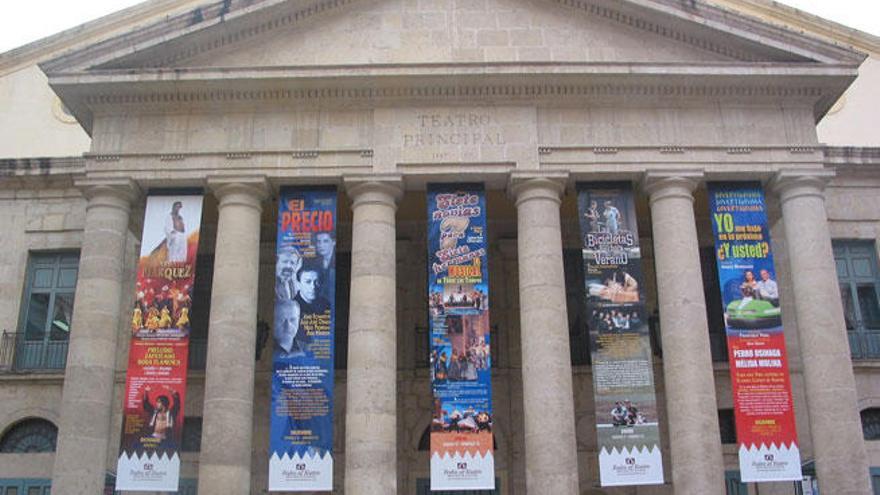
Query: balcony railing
point(864, 345)
point(17, 353)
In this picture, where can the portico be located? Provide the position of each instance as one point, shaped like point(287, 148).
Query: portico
point(520, 108)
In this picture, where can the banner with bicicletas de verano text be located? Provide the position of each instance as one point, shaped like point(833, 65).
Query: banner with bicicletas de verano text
point(627, 422)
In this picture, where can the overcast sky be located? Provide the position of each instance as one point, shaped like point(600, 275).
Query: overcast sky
point(30, 20)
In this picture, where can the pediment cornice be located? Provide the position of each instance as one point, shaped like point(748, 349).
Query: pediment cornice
point(215, 27)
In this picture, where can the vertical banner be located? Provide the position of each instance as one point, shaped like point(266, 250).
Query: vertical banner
point(458, 301)
point(155, 382)
point(623, 373)
point(301, 425)
point(765, 422)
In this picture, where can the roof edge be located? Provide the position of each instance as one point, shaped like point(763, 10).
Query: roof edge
point(803, 22)
point(90, 32)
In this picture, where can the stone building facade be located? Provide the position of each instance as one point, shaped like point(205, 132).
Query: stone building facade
point(379, 98)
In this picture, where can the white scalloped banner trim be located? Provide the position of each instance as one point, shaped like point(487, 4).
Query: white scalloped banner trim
point(148, 472)
point(631, 466)
point(463, 472)
point(773, 463)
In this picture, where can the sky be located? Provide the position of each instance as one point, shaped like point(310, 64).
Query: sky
point(30, 20)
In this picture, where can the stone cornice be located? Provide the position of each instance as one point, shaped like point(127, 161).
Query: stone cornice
point(804, 22)
point(759, 34)
point(360, 74)
point(332, 166)
point(40, 172)
point(155, 32)
point(90, 33)
point(87, 93)
point(441, 93)
point(851, 156)
point(238, 24)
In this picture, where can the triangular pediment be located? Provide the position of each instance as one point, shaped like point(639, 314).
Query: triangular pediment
point(418, 32)
point(284, 33)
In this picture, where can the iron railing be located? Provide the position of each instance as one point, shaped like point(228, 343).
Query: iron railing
point(864, 345)
point(17, 353)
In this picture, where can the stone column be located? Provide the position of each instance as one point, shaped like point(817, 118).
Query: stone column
point(371, 398)
point(835, 425)
point(225, 460)
point(695, 443)
point(550, 452)
point(87, 399)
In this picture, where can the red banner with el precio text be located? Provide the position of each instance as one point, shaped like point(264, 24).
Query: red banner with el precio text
point(155, 382)
point(765, 420)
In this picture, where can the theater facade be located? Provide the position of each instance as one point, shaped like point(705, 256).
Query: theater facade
point(379, 101)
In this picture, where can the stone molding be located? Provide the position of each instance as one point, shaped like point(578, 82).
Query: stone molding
point(379, 189)
point(526, 186)
point(159, 97)
point(247, 32)
point(660, 185)
point(19, 173)
point(799, 20)
point(793, 183)
point(249, 191)
point(642, 23)
point(677, 149)
point(90, 94)
point(852, 156)
point(112, 193)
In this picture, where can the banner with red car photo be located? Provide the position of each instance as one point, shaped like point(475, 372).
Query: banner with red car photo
point(155, 383)
point(765, 421)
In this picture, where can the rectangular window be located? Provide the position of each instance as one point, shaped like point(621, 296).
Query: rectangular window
point(875, 480)
point(25, 486)
point(47, 311)
point(859, 281)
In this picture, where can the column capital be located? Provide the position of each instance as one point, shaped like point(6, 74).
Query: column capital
point(374, 189)
point(246, 190)
point(524, 186)
point(664, 184)
point(114, 193)
point(794, 183)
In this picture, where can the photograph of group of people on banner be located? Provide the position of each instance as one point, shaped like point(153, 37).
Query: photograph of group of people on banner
point(763, 406)
point(301, 425)
point(460, 351)
point(160, 325)
point(623, 379)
